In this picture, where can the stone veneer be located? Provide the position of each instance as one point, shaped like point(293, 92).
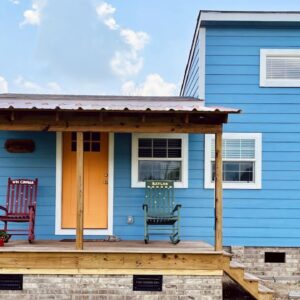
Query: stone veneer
point(283, 278)
point(92, 287)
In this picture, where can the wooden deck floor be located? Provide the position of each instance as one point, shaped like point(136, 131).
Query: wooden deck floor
point(102, 257)
point(110, 247)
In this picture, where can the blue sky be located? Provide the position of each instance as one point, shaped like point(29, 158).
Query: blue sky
point(132, 47)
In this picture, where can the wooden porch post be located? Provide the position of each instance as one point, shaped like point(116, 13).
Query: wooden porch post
point(79, 175)
point(218, 192)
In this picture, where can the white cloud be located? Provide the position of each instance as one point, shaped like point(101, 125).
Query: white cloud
point(3, 85)
point(111, 23)
point(126, 63)
point(104, 9)
point(33, 87)
point(33, 16)
point(16, 2)
point(154, 85)
point(136, 39)
point(105, 12)
point(27, 85)
point(89, 52)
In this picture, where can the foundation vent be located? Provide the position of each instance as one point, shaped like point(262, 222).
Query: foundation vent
point(151, 283)
point(11, 282)
point(274, 257)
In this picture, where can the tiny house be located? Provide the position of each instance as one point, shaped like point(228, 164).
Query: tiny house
point(234, 174)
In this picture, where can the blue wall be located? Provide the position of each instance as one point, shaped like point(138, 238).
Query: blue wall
point(270, 216)
point(197, 203)
point(191, 88)
point(40, 164)
point(197, 211)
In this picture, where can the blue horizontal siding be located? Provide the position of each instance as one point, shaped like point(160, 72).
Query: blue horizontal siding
point(270, 216)
point(191, 88)
point(39, 164)
point(197, 203)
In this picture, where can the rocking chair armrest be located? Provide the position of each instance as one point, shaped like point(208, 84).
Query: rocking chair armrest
point(176, 208)
point(3, 208)
point(145, 207)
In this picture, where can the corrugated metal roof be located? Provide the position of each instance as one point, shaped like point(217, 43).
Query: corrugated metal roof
point(107, 103)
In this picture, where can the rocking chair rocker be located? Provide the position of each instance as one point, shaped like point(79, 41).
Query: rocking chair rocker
point(20, 206)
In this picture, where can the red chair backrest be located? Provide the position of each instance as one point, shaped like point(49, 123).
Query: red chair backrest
point(20, 194)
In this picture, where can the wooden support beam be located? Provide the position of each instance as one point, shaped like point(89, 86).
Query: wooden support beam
point(80, 206)
point(12, 116)
point(218, 191)
point(115, 127)
point(134, 271)
point(186, 119)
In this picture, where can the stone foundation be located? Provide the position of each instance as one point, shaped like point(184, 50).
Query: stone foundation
point(283, 278)
point(114, 287)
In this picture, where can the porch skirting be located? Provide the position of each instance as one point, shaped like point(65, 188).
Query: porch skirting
point(114, 287)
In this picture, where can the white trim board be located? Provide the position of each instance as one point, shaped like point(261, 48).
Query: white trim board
point(134, 157)
point(58, 192)
point(202, 51)
point(249, 16)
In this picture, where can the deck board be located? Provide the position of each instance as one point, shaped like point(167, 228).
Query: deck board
point(111, 247)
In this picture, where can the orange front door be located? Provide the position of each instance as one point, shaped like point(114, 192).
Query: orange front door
point(95, 180)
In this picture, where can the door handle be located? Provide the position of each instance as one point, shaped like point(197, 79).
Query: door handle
point(105, 181)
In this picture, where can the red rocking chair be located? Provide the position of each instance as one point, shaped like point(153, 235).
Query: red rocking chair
point(20, 206)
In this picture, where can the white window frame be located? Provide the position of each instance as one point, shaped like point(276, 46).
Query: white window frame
point(209, 184)
point(264, 82)
point(134, 157)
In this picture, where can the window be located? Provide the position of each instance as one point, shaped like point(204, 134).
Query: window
point(280, 67)
point(91, 141)
point(159, 157)
point(241, 161)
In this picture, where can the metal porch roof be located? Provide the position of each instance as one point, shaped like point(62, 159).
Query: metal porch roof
point(107, 103)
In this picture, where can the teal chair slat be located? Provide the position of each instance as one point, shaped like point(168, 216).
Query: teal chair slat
point(160, 209)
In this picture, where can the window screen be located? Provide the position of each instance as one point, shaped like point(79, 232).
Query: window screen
point(283, 67)
point(238, 160)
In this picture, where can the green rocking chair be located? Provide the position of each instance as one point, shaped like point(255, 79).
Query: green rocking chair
point(160, 210)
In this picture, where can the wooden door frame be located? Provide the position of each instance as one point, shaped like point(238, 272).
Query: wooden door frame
point(58, 193)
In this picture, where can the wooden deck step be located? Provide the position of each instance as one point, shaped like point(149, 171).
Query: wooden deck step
point(264, 290)
point(249, 282)
point(250, 277)
point(236, 265)
point(294, 294)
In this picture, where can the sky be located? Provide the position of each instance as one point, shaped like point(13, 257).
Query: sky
point(115, 47)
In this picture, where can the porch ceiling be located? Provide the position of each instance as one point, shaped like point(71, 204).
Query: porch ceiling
point(109, 113)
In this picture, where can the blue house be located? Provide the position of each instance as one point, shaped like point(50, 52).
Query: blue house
point(251, 60)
